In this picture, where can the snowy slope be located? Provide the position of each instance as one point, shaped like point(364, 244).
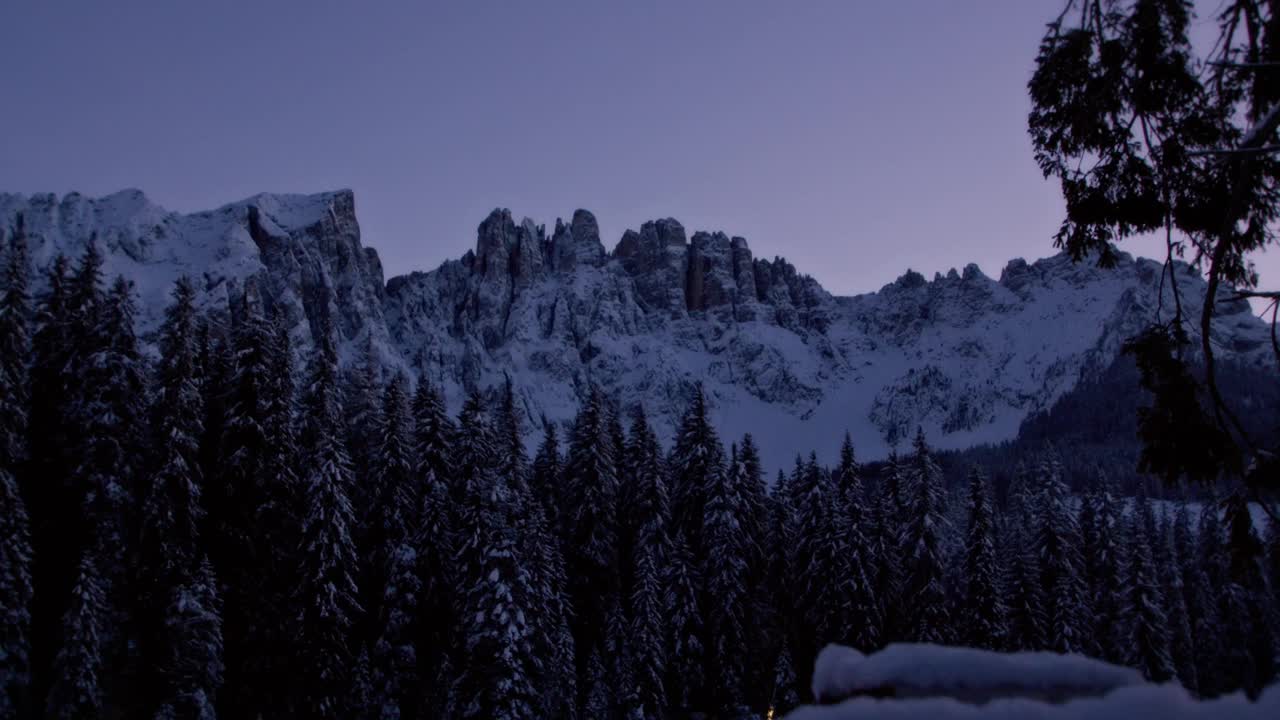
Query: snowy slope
point(964, 355)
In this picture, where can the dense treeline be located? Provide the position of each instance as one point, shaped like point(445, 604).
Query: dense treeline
point(214, 532)
point(1094, 427)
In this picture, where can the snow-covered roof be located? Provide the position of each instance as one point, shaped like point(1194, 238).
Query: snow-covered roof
point(917, 670)
point(1165, 702)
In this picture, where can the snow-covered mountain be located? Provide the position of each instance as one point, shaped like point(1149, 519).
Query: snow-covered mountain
point(964, 355)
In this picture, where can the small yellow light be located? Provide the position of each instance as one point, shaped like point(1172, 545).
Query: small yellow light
point(769, 715)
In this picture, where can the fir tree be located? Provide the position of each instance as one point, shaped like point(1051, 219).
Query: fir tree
point(391, 562)
point(786, 690)
point(1148, 635)
point(684, 677)
point(544, 560)
point(1173, 560)
point(435, 546)
point(253, 541)
point(15, 532)
point(501, 670)
point(191, 669)
point(76, 692)
point(762, 545)
point(696, 453)
point(45, 482)
point(889, 511)
point(1183, 556)
point(1207, 603)
point(326, 595)
point(591, 489)
point(392, 504)
point(394, 658)
point(15, 599)
point(1249, 657)
point(812, 565)
point(725, 573)
point(171, 513)
point(1109, 598)
point(547, 471)
point(1057, 544)
point(1025, 596)
point(982, 608)
point(858, 620)
point(362, 401)
point(926, 595)
point(651, 551)
point(15, 343)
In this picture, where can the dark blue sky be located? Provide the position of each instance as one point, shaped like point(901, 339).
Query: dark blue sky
point(856, 138)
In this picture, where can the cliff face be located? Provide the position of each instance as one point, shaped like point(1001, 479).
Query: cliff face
point(964, 356)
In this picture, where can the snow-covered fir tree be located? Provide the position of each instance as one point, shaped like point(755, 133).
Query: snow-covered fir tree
point(190, 671)
point(544, 486)
point(546, 472)
point(172, 513)
point(15, 600)
point(1206, 603)
point(15, 346)
point(813, 564)
point(858, 621)
point(392, 504)
point(591, 534)
point(362, 405)
point(1057, 547)
point(684, 669)
point(1148, 633)
point(391, 561)
point(982, 609)
point(326, 598)
point(1172, 562)
point(254, 500)
point(651, 552)
point(726, 545)
point(887, 536)
point(1023, 590)
point(926, 594)
point(1106, 557)
point(112, 413)
point(501, 669)
point(1250, 657)
point(435, 548)
point(15, 532)
point(76, 692)
point(1184, 565)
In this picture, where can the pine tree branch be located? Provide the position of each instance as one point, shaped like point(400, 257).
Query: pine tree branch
point(1244, 65)
point(1263, 150)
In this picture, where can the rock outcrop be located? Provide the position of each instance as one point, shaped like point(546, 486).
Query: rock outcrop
point(963, 356)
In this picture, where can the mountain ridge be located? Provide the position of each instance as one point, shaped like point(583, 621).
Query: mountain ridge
point(964, 356)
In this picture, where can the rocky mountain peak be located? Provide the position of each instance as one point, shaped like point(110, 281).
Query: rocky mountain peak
point(963, 356)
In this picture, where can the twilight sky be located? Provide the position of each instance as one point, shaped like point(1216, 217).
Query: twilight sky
point(855, 138)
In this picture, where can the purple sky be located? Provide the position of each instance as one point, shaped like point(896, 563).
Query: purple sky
point(855, 138)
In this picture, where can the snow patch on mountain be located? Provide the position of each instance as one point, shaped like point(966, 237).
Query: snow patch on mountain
point(964, 356)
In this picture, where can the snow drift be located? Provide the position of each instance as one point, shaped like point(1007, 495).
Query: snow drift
point(910, 681)
point(923, 670)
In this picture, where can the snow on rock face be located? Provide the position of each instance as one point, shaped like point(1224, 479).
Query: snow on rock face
point(964, 356)
point(300, 250)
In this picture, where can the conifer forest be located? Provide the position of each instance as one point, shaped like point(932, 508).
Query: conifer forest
point(219, 529)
